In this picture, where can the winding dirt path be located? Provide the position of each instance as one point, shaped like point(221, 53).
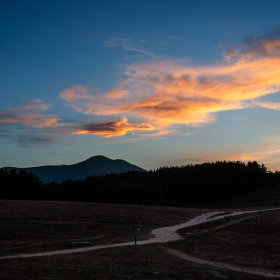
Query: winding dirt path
point(253, 271)
point(160, 235)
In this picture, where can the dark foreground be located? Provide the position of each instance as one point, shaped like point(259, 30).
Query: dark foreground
point(43, 226)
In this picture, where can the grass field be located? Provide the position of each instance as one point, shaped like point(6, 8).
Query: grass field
point(33, 226)
point(252, 242)
point(43, 226)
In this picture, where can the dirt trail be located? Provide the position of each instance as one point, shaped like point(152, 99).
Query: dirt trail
point(253, 271)
point(160, 235)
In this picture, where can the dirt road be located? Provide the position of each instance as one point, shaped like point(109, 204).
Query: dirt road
point(160, 235)
point(168, 234)
point(253, 271)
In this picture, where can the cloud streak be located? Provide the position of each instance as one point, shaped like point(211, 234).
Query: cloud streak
point(18, 115)
point(35, 120)
point(111, 129)
point(268, 105)
point(261, 46)
point(35, 104)
point(168, 93)
point(128, 45)
point(27, 141)
point(160, 97)
point(31, 124)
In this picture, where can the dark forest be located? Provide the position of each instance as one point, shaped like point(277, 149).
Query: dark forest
point(169, 186)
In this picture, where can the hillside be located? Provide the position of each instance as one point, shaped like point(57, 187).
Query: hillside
point(94, 166)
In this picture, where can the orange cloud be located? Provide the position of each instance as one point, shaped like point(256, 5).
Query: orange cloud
point(35, 120)
point(268, 105)
point(15, 116)
point(76, 92)
point(260, 46)
point(82, 99)
point(169, 93)
point(111, 129)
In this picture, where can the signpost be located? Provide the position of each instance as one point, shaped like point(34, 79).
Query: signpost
point(134, 230)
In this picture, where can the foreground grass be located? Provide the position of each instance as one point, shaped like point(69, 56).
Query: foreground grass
point(43, 226)
point(252, 242)
point(34, 226)
point(140, 262)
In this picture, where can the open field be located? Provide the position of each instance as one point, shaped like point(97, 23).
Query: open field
point(252, 240)
point(44, 226)
point(34, 226)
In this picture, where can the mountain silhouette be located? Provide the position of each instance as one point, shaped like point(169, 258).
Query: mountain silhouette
point(94, 166)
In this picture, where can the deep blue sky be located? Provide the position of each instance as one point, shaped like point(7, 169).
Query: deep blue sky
point(152, 82)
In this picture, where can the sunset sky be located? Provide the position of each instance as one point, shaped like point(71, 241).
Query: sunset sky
point(153, 82)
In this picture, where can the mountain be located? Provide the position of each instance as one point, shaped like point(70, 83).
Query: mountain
point(94, 166)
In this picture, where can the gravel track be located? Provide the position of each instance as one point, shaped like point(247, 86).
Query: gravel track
point(168, 234)
point(253, 271)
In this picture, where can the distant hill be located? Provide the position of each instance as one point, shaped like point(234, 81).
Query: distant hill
point(94, 166)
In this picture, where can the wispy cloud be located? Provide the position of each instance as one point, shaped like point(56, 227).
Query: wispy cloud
point(35, 120)
point(17, 115)
point(160, 97)
point(111, 129)
point(30, 124)
point(129, 45)
point(169, 39)
point(27, 141)
point(72, 143)
point(106, 142)
point(267, 45)
point(268, 105)
point(176, 37)
point(130, 140)
point(76, 92)
point(35, 104)
point(82, 99)
point(169, 93)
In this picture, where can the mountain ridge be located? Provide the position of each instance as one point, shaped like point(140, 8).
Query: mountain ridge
point(94, 166)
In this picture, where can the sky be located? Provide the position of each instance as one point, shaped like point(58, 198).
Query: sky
point(153, 82)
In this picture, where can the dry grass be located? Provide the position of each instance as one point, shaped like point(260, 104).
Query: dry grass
point(140, 262)
point(31, 226)
point(254, 242)
point(37, 226)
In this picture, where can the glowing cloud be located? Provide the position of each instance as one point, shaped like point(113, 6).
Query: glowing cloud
point(36, 120)
point(111, 129)
point(169, 93)
point(261, 46)
point(16, 116)
point(76, 92)
point(268, 105)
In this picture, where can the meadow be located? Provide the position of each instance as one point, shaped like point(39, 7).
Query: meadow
point(35, 226)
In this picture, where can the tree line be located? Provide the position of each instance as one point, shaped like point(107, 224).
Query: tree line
point(169, 186)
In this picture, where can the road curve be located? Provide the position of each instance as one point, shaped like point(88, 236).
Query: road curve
point(253, 271)
point(160, 235)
